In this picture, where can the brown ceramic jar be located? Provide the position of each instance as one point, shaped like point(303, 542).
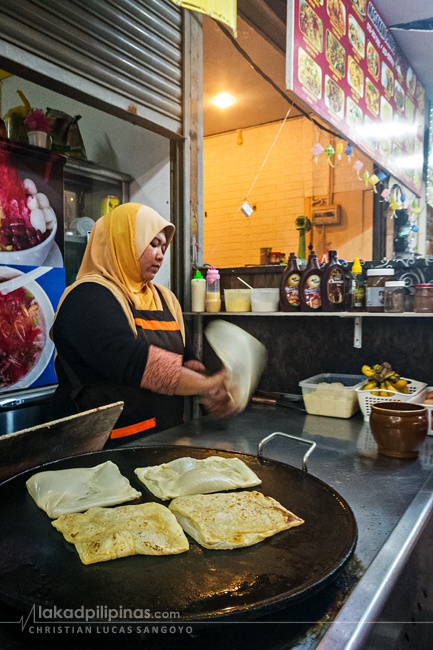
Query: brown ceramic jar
point(399, 428)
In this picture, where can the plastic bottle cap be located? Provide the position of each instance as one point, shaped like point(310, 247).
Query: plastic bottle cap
point(198, 276)
point(356, 268)
point(212, 275)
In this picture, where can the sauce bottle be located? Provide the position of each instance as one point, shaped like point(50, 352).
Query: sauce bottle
point(333, 284)
point(198, 293)
point(358, 287)
point(309, 287)
point(213, 295)
point(289, 287)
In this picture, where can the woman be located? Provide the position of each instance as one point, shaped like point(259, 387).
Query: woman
point(119, 337)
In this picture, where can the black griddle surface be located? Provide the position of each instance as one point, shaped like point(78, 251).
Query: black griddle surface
point(38, 567)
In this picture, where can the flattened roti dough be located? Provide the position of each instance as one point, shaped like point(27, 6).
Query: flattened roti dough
point(232, 520)
point(62, 491)
point(191, 476)
point(102, 534)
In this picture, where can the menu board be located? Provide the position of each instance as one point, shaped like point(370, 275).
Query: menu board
point(344, 63)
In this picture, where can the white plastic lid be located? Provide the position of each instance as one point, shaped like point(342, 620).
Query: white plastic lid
point(380, 272)
point(395, 283)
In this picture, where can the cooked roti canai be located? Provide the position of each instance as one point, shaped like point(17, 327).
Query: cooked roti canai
point(102, 534)
point(185, 476)
point(63, 491)
point(231, 520)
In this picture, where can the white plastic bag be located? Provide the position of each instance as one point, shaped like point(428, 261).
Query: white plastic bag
point(243, 356)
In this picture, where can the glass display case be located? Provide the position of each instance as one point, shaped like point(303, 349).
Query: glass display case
point(89, 191)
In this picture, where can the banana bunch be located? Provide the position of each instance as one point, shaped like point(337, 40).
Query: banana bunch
point(383, 378)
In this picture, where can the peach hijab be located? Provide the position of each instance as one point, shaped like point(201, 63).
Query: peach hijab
point(112, 256)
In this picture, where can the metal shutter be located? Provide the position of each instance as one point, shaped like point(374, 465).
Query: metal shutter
point(126, 54)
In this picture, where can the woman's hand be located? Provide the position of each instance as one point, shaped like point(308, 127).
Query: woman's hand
point(212, 391)
point(217, 400)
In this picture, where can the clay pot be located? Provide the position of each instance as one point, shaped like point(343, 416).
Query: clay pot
point(398, 428)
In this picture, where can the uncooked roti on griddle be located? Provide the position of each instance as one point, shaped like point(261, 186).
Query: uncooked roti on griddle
point(232, 520)
point(62, 491)
point(102, 534)
point(191, 476)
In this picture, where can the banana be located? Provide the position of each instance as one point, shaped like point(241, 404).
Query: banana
point(401, 386)
point(369, 385)
point(367, 371)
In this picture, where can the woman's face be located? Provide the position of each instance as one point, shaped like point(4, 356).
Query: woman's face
point(153, 256)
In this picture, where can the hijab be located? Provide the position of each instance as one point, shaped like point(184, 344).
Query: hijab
point(112, 259)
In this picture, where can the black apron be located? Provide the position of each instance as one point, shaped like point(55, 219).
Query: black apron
point(144, 411)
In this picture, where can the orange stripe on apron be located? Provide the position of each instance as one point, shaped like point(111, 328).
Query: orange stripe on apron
point(170, 326)
point(133, 428)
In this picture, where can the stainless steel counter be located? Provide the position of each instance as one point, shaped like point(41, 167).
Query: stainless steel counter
point(392, 500)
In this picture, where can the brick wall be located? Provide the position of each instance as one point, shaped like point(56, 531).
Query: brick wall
point(281, 192)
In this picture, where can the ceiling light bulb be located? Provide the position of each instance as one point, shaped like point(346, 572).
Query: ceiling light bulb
point(223, 100)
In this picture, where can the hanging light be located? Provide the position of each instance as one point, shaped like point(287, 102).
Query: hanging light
point(223, 100)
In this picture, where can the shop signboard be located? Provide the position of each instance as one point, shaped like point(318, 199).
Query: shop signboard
point(344, 63)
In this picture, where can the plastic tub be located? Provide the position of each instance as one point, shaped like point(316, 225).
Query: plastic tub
point(237, 299)
point(265, 299)
point(332, 395)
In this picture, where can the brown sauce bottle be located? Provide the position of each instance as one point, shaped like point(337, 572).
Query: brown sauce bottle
point(333, 285)
point(309, 287)
point(289, 287)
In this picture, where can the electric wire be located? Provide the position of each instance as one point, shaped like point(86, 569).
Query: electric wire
point(270, 81)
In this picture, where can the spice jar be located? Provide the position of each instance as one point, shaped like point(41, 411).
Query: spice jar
point(424, 298)
point(395, 291)
point(376, 279)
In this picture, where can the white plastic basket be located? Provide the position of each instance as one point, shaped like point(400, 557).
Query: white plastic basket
point(366, 399)
point(419, 399)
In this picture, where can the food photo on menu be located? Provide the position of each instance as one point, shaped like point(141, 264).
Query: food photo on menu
point(361, 7)
point(354, 114)
point(411, 81)
point(309, 73)
point(399, 95)
point(335, 54)
point(355, 77)
point(387, 79)
point(334, 97)
point(373, 60)
point(337, 13)
point(372, 97)
point(311, 25)
point(356, 36)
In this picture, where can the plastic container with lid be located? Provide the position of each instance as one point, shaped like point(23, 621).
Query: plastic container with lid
point(395, 291)
point(213, 295)
point(376, 279)
point(332, 395)
point(198, 293)
point(424, 298)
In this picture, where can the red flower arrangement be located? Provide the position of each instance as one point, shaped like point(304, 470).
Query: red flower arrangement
point(36, 121)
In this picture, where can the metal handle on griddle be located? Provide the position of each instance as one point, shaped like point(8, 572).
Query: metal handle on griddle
point(286, 435)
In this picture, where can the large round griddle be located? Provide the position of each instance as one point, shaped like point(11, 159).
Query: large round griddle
point(38, 567)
